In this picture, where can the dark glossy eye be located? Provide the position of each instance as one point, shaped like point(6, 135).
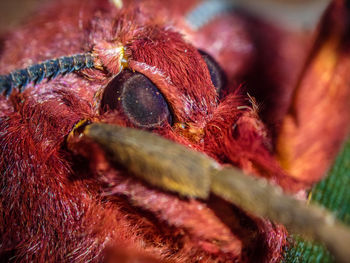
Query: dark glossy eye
point(138, 98)
point(217, 75)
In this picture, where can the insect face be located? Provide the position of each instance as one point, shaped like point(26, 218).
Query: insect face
point(70, 185)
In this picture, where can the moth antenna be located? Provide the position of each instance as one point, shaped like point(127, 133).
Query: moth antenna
point(48, 69)
point(207, 11)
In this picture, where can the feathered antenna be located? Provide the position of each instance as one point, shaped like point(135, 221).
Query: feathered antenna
point(49, 69)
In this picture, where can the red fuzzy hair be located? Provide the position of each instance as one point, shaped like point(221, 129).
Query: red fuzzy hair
point(57, 206)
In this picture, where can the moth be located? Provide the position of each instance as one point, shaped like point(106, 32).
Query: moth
point(121, 123)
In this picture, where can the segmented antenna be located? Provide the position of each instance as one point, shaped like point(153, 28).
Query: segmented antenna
point(49, 69)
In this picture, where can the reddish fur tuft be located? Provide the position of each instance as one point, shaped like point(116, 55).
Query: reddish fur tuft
point(60, 206)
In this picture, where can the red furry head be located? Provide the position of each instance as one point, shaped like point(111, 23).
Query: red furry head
point(59, 206)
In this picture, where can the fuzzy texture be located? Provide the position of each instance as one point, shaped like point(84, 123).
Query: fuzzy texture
point(60, 207)
point(326, 69)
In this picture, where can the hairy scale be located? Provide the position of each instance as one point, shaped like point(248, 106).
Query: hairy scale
point(60, 205)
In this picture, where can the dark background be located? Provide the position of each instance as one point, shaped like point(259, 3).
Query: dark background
point(301, 14)
point(12, 12)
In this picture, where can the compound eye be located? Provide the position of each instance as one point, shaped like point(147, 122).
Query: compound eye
point(217, 75)
point(134, 95)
